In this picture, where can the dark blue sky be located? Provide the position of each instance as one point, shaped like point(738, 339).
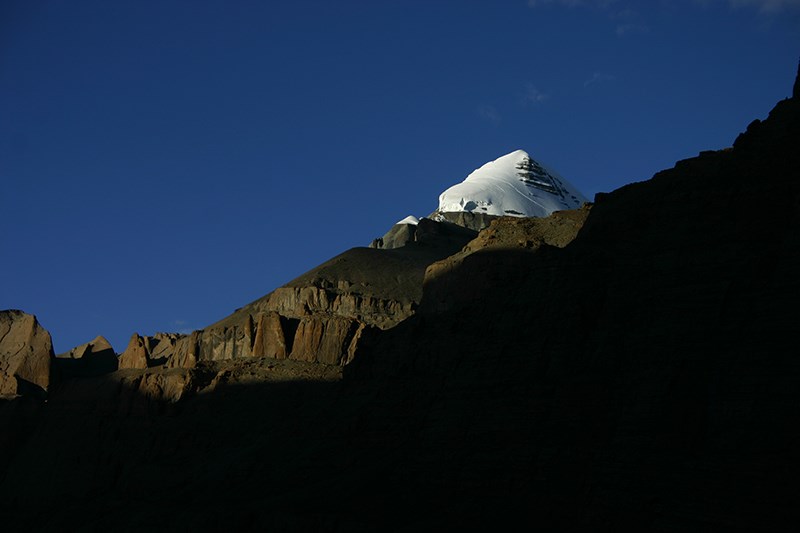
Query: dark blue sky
point(165, 162)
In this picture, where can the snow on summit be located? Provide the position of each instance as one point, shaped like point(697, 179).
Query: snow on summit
point(511, 185)
point(410, 219)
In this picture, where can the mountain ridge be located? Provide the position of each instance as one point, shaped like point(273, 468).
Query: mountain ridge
point(626, 366)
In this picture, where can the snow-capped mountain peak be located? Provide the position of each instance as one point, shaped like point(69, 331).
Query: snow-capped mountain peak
point(511, 185)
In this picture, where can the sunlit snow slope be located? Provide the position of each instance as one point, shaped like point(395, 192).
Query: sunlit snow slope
point(511, 185)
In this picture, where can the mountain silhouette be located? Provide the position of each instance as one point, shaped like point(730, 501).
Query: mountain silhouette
point(626, 366)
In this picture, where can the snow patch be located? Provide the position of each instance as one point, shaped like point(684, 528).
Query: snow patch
point(512, 185)
point(410, 219)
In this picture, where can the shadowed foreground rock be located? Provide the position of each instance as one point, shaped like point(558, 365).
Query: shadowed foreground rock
point(93, 358)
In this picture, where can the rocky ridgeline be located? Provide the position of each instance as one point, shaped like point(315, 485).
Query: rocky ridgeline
point(324, 315)
point(320, 317)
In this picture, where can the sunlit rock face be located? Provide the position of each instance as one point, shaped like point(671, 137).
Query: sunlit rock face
point(26, 352)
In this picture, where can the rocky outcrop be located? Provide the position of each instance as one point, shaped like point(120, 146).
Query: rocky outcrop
point(95, 357)
point(8, 385)
point(299, 302)
point(26, 353)
point(475, 221)
point(270, 337)
point(156, 350)
point(332, 341)
point(397, 237)
point(185, 353)
point(436, 229)
point(320, 338)
point(164, 386)
point(135, 355)
point(161, 346)
point(96, 346)
point(531, 233)
point(528, 234)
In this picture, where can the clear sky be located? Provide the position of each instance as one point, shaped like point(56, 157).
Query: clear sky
point(165, 162)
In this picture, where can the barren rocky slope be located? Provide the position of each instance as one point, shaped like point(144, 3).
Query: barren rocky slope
point(322, 315)
point(643, 377)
